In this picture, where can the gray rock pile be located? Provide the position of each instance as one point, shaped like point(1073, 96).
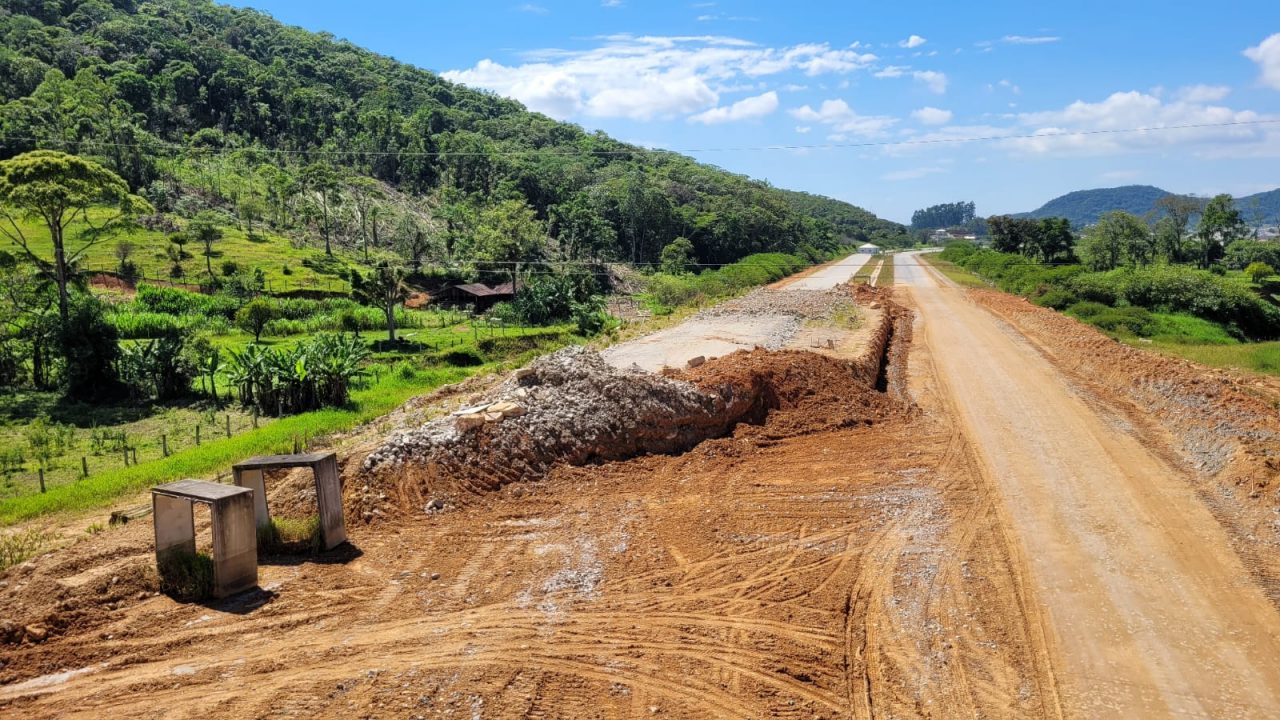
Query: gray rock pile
point(569, 407)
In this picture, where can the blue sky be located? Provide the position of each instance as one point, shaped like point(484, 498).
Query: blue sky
point(721, 79)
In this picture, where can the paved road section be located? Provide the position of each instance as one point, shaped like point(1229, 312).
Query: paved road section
point(1150, 613)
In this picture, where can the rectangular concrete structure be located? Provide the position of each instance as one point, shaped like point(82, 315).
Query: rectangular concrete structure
point(324, 468)
point(235, 536)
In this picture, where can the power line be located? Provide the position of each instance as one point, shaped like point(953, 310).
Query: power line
point(689, 151)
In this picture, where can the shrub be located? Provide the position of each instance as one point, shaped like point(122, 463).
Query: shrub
point(18, 546)
point(255, 315)
point(90, 346)
point(1056, 298)
point(186, 575)
point(230, 267)
point(313, 374)
point(174, 301)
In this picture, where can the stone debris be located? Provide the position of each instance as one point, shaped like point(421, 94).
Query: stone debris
point(568, 407)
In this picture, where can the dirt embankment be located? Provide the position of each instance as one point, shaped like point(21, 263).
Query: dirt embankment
point(839, 559)
point(1223, 426)
point(573, 408)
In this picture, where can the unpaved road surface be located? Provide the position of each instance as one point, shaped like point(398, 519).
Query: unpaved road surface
point(1149, 612)
point(722, 333)
point(968, 535)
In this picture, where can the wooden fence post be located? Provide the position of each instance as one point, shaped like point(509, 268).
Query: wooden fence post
point(42, 480)
point(197, 434)
point(228, 425)
point(126, 457)
point(84, 466)
point(164, 445)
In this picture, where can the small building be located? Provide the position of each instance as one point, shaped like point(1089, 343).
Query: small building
point(868, 249)
point(478, 295)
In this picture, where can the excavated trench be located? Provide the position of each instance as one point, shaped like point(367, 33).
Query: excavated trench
point(572, 408)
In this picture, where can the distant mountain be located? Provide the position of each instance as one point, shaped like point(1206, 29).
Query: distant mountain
point(1084, 207)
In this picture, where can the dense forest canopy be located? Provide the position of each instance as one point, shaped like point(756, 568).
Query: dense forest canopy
point(200, 106)
point(1086, 207)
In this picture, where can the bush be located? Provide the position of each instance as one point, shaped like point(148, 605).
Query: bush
point(1177, 288)
point(174, 301)
point(186, 575)
point(1056, 298)
point(255, 315)
point(90, 347)
point(317, 373)
point(230, 267)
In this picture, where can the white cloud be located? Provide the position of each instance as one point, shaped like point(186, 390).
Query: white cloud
point(914, 41)
point(1267, 55)
point(611, 3)
point(803, 129)
point(843, 120)
point(1202, 93)
point(936, 81)
point(532, 9)
point(932, 116)
point(912, 173)
point(643, 77)
point(745, 109)
point(1029, 39)
point(1125, 111)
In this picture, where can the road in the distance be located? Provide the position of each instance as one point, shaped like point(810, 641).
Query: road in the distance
point(726, 333)
point(830, 275)
point(1149, 612)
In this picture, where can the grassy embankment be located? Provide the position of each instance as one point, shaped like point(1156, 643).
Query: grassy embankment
point(1177, 334)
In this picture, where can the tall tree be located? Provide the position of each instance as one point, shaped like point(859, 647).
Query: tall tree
point(204, 229)
point(383, 287)
point(57, 189)
point(368, 195)
point(509, 234)
point(1117, 237)
point(1179, 209)
point(1220, 224)
point(323, 180)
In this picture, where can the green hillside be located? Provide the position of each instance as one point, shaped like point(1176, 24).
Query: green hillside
point(1084, 207)
point(204, 107)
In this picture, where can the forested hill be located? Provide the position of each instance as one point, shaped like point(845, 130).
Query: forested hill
point(204, 107)
point(1084, 207)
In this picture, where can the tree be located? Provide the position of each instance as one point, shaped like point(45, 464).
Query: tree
point(383, 288)
point(58, 189)
point(90, 349)
point(1178, 210)
point(1012, 235)
point(254, 316)
point(959, 214)
point(509, 234)
point(367, 193)
point(1219, 226)
point(677, 257)
point(1116, 237)
point(1051, 240)
point(251, 209)
point(1258, 271)
point(324, 181)
point(204, 230)
point(580, 230)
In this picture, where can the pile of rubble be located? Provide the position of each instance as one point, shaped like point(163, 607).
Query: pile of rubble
point(569, 407)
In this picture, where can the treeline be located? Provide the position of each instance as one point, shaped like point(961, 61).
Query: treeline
point(207, 108)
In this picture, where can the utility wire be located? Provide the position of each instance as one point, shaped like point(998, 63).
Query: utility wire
point(689, 151)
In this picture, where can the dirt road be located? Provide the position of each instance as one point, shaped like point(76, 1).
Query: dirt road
point(1148, 612)
point(722, 333)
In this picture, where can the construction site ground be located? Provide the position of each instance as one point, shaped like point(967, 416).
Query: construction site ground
point(950, 503)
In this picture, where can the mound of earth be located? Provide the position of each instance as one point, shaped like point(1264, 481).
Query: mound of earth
point(573, 408)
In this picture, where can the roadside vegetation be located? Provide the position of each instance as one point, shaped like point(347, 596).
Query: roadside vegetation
point(1208, 294)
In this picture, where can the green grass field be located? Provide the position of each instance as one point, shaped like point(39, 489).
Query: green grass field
point(953, 272)
point(1261, 357)
point(885, 279)
point(307, 267)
